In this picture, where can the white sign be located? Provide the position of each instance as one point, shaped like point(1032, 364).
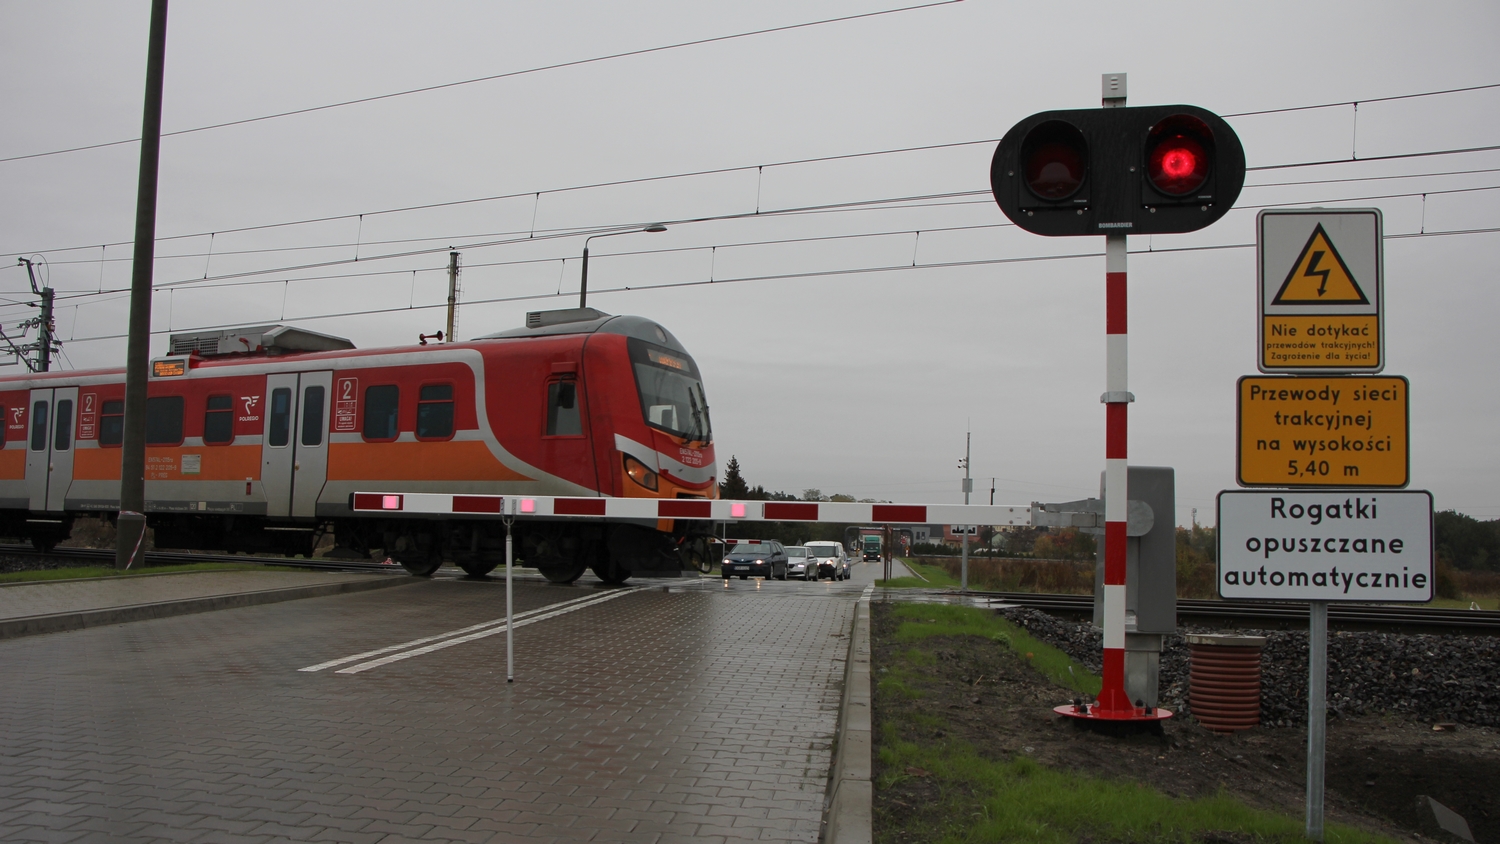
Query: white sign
point(1334, 545)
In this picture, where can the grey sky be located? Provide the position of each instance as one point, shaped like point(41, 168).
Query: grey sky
point(874, 374)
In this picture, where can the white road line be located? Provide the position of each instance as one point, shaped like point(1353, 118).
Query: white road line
point(461, 631)
point(493, 631)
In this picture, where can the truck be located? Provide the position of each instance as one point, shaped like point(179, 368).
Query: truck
point(871, 548)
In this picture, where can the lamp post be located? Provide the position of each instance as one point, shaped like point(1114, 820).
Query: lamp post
point(583, 285)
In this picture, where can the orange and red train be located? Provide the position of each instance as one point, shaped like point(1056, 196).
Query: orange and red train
point(257, 438)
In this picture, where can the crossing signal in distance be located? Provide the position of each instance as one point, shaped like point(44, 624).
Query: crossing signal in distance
point(1141, 170)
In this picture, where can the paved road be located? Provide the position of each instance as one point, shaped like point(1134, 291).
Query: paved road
point(680, 711)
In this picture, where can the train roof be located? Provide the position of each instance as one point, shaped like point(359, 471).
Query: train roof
point(589, 321)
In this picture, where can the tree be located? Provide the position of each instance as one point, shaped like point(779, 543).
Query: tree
point(1465, 542)
point(734, 485)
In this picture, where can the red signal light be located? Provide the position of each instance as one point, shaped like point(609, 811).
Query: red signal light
point(1177, 155)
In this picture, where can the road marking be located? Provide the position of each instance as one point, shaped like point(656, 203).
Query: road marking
point(474, 631)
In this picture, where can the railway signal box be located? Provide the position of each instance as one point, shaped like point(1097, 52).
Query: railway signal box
point(1145, 170)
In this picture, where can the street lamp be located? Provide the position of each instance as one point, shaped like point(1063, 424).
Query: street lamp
point(583, 287)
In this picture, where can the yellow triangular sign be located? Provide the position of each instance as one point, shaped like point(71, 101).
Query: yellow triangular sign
point(1320, 277)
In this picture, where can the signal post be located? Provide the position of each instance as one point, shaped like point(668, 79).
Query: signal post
point(1117, 171)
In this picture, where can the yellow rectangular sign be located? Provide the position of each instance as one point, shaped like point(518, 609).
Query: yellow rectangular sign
point(1333, 431)
point(1320, 342)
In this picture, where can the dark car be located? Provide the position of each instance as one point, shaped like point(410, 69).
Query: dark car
point(755, 559)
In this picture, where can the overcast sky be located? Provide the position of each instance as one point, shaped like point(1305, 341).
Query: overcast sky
point(853, 382)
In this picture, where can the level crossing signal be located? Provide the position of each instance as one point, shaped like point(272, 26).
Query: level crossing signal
point(1143, 170)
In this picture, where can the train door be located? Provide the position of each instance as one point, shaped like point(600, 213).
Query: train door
point(294, 453)
point(49, 446)
point(310, 464)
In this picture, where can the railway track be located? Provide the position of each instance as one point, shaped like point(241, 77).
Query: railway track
point(1428, 619)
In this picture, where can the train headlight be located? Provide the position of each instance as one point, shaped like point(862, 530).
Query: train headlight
point(639, 473)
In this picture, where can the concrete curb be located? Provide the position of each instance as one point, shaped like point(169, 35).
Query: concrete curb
point(848, 816)
point(12, 628)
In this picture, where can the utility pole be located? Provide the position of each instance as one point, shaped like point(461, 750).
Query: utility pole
point(963, 585)
point(45, 325)
point(131, 523)
point(452, 293)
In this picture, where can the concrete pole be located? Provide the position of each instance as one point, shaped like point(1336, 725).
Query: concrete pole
point(452, 294)
point(968, 487)
point(132, 519)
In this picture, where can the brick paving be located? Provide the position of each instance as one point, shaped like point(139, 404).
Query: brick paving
point(700, 714)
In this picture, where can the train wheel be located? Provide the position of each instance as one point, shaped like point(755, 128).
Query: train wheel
point(478, 569)
point(420, 566)
point(563, 573)
point(44, 543)
point(609, 571)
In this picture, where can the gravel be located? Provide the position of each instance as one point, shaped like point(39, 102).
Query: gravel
point(1423, 677)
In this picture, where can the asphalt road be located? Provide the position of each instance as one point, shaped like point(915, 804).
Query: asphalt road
point(660, 712)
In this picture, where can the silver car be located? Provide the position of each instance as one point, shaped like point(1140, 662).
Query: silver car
point(800, 563)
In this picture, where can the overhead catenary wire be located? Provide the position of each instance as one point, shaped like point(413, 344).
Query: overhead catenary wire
point(696, 174)
point(826, 273)
point(917, 201)
point(233, 279)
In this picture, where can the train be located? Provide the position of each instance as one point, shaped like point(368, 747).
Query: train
point(258, 437)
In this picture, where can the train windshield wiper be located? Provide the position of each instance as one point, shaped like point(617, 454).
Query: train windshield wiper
point(699, 429)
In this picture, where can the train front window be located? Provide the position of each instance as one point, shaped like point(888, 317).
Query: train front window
point(671, 392)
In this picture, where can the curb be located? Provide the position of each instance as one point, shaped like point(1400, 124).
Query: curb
point(13, 628)
point(849, 815)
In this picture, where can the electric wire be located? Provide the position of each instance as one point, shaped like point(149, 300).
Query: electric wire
point(230, 280)
point(695, 174)
point(490, 78)
point(850, 271)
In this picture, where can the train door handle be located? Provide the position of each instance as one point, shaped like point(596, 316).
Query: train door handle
point(296, 465)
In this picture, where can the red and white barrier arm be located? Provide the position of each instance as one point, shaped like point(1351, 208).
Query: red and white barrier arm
point(718, 510)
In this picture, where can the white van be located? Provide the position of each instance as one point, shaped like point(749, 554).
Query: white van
point(833, 563)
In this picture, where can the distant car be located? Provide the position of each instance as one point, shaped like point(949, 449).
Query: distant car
point(801, 563)
point(832, 562)
point(755, 559)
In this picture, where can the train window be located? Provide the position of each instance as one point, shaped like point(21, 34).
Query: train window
point(112, 423)
point(62, 439)
point(164, 420)
point(218, 420)
point(312, 416)
point(435, 412)
point(380, 412)
point(280, 423)
point(39, 426)
point(563, 419)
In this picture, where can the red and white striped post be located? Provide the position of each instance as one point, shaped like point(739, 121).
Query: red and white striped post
point(1113, 699)
point(1114, 702)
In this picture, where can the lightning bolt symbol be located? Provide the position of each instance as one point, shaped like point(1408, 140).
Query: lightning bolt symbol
point(1312, 270)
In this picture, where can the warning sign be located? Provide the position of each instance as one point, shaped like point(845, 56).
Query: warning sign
point(1321, 291)
point(1320, 277)
point(1323, 431)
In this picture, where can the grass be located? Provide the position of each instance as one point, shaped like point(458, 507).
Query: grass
point(110, 571)
point(935, 577)
point(923, 621)
point(1017, 799)
point(1463, 603)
